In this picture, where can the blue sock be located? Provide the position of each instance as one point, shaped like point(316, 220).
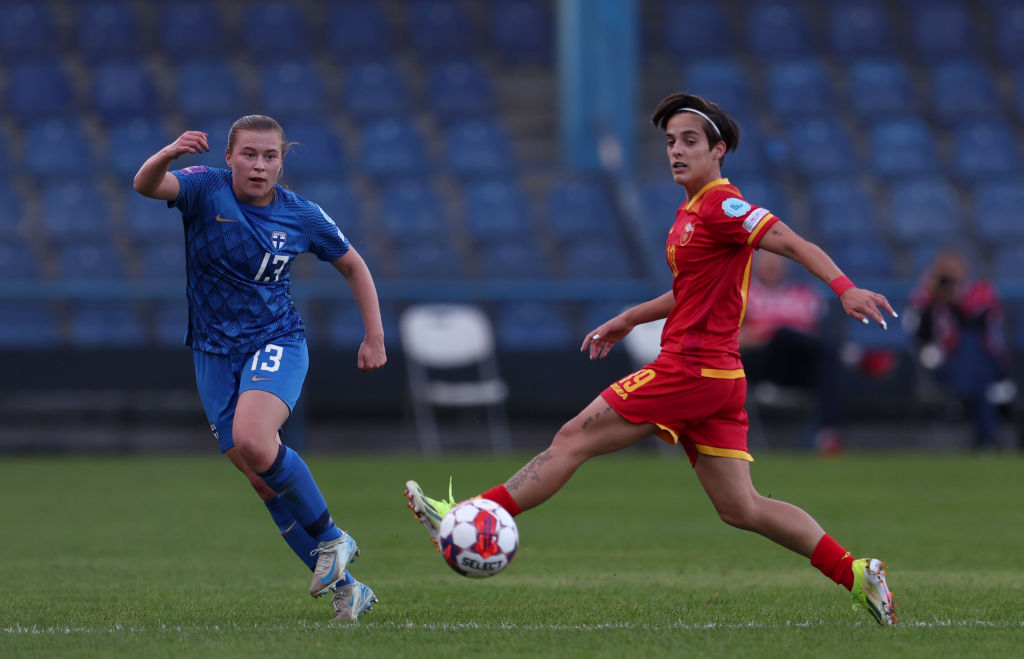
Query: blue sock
point(290, 476)
point(301, 542)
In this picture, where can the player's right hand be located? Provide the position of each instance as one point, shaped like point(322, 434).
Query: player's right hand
point(191, 141)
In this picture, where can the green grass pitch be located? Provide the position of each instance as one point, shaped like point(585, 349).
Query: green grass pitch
point(175, 556)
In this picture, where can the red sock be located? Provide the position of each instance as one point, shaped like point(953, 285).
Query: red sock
point(500, 496)
point(833, 561)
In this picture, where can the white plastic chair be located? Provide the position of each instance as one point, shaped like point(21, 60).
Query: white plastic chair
point(452, 340)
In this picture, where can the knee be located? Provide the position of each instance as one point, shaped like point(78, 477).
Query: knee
point(740, 513)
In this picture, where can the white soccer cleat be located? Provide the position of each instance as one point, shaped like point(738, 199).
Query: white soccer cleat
point(352, 599)
point(871, 591)
point(335, 555)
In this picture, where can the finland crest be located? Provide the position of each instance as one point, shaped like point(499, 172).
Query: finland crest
point(277, 239)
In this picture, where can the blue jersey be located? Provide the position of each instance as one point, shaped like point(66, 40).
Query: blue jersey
point(238, 260)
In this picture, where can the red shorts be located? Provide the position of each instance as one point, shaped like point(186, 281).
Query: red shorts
point(705, 414)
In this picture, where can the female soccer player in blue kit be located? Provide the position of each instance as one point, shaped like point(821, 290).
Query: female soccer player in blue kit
point(242, 231)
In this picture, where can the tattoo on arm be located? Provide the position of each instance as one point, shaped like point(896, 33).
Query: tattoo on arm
point(527, 473)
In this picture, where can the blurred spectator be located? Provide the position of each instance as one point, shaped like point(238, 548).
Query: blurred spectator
point(957, 322)
point(782, 347)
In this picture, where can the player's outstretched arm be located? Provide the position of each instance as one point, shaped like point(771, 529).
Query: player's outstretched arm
point(153, 180)
point(372, 354)
point(858, 303)
point(601, 339)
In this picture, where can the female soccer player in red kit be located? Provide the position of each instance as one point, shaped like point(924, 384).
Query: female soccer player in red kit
point(693, 393)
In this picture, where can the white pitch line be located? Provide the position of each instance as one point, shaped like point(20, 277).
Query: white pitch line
point(35, 630)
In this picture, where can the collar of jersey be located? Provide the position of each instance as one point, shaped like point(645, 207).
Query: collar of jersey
point(718, 181)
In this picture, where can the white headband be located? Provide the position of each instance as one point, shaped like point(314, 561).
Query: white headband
point(698, 112)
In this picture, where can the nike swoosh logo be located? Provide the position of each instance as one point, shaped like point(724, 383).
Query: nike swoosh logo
point(223, 219)
point(331, 571)
point(256, 379)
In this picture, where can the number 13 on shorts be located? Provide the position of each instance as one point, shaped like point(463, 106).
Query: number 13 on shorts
point(268, 359)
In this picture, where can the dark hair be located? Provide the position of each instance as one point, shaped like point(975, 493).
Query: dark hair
point(670, 105)
point(260, 123)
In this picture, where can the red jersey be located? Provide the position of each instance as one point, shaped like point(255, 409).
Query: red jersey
point(709, 250)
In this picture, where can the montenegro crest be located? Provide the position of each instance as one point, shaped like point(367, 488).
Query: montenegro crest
point(686, 233)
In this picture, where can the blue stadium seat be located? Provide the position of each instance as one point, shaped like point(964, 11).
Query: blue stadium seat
point(170, 322)
point(941, 30)
point(59, 148)
point(581, 211)
point(277, 25)
point(124, 89)
point(17, 261)
point(358, 30)
point(1008, 29)
point(345, 326)
point(439, 29)
point(722, 81)
point(221, 92)
point(393, 147)
point(413, 212)
point(841, 210)
point(478, 148)
point(708, 31)
point(191, 30)
point(871, 337)
point(374, 89)
point(337, 198)
point(985, 149)
point(458, 90)
point(317, 150)
point(995, 210)
point(768, 193)
point(533, 326)
point(107, 29)
point(592, 261)
point(1008, 264)
point(963, 89)
point(778, 29)
point(163, 261)
point(28, 29)
point(150, 221)
point(522, 31)
point(28, 324)
point(496, 212)
point(881, 87)
point(867, 258)
point(902, 147)
point(799, 88)
point(293, 89)
point(131, 142)
point(862, 28)
point(38, 88)
point(101, 324)
point(95, 262)
point(12, 221)
point(518, 260)
point(430, 260)
point(75, 211)
point(924, 210)
point(821, 147)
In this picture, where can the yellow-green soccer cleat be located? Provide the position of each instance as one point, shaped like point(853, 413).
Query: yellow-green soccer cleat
point(871, 591)
point(428, 511)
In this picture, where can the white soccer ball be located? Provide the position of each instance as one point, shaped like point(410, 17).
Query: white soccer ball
point(478, 538)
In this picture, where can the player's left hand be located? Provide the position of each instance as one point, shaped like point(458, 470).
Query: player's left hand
point(601, 339)
point(372, 355)
point(863, 305)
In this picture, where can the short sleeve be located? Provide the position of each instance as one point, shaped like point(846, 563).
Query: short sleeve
point(326, 240)
point(734, 220)
point(196, 183)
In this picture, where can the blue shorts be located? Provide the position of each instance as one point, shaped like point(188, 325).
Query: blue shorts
point(278, 368)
